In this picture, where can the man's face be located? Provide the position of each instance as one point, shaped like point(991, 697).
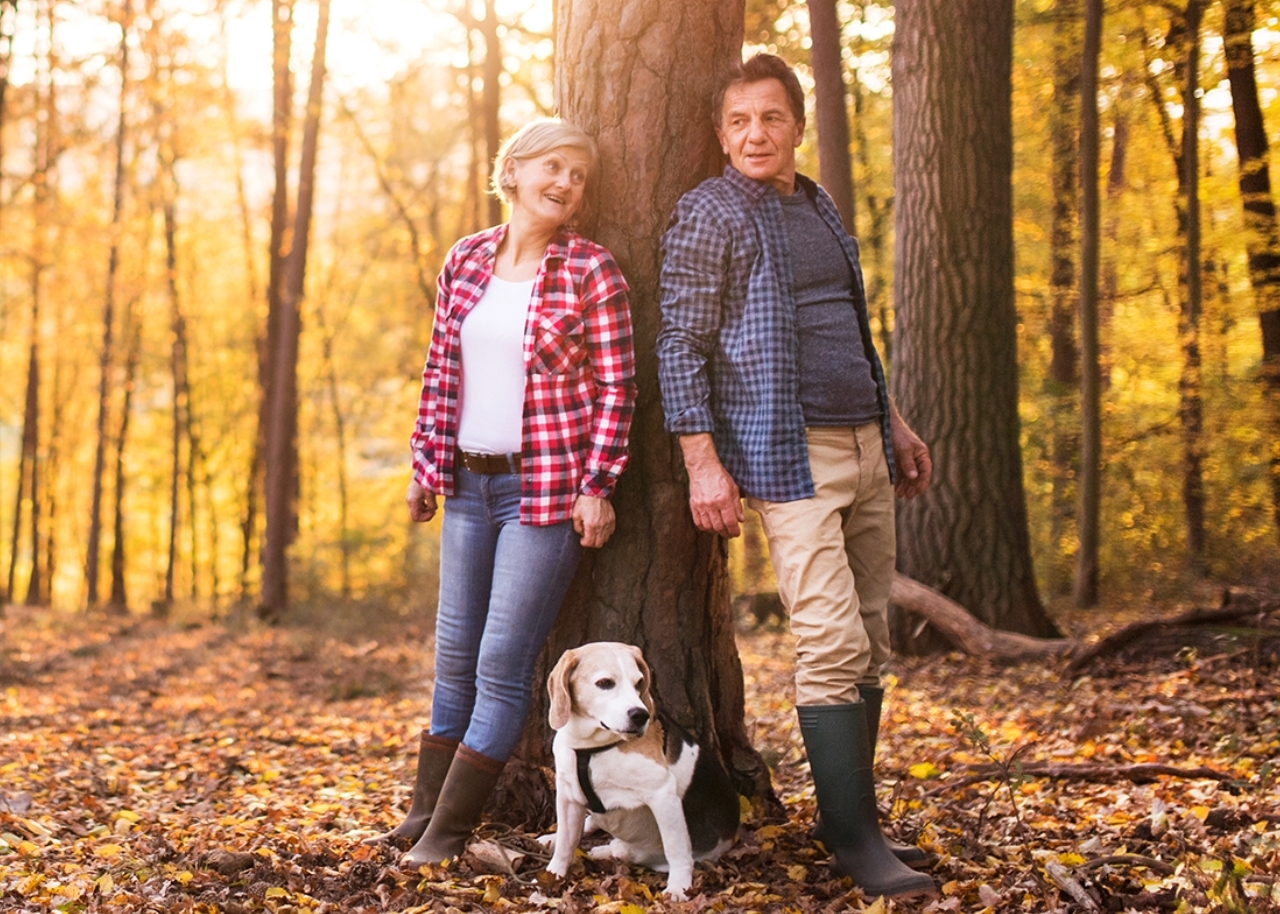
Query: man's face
point(759, 134)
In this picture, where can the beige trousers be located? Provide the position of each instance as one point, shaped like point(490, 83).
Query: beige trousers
point(834, 557)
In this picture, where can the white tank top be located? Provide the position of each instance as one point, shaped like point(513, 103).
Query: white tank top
point(491, 414)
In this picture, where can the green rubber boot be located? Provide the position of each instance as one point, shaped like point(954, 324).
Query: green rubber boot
point(839, 748)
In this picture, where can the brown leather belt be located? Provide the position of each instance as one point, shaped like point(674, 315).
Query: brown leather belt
point(490, 464)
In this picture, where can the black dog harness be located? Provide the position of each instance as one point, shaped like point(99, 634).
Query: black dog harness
point(594, 803)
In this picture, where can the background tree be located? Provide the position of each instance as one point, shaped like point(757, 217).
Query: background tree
point(1085, 589)
point(831, 107)
point(954, 373)
point(1261, 227)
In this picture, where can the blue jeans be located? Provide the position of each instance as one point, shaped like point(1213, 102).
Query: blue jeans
point(501, 584)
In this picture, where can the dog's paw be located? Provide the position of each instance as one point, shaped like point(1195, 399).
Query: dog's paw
point(677, 892)
point(547, 840)
point(559, 867)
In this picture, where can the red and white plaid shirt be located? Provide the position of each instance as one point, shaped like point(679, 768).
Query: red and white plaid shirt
point(580, 387)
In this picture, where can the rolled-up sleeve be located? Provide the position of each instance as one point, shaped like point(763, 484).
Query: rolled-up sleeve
point(695, 258)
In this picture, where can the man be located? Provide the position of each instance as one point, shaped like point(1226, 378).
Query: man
point(771, 381)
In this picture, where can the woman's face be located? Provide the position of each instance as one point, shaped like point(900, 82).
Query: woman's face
point(549, 188)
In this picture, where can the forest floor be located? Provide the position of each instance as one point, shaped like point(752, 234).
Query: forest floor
point(151, 766)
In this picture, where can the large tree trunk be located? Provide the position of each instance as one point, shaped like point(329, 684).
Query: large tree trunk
point(1262, 232)
point(282, 457)
point(830, 110)
point(955, 362)
point(1085, 588)
point(658, 583)
point(492, 97)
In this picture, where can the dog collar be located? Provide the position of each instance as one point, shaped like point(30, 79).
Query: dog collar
point(594, 803)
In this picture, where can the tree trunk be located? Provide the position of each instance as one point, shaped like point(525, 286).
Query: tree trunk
point(1185, 40)
point(955, 363)
point(106, 357)
point(1262, 232)
point(1085, 588)
point(119, 600)
point(282, 456)
point(835, 167)
point(282, 126)
point(492, 97)
point(658, 583)
point(177, 370)
point(1063, 378)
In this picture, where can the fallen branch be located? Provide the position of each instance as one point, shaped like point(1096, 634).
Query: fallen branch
point(1059, 874)
point(1130, 633)
point(1151, 863)
point(1140, 773)
point(967, 632)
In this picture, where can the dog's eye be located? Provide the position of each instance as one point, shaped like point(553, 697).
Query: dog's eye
point(604, 684)
point(639, 685)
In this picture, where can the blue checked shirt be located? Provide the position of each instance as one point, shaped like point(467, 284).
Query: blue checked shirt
point(727, 347)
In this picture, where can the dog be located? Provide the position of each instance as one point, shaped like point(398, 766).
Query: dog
point(641, 778)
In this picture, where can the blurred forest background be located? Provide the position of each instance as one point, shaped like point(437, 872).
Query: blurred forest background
point(180, 179)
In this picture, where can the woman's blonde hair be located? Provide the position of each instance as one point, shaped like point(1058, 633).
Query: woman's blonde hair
point(537, 138)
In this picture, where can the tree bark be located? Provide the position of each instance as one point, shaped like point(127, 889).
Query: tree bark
point(282, 457)
point(659, 583)
point(835, 166)
point(1085, 587)
point(492, 98)
point(119, 599)
point(1262, 231)
point(955, 353)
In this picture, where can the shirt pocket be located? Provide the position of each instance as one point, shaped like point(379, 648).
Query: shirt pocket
point(559, 344)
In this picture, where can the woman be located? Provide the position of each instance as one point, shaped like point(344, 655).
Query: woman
point(526, 405)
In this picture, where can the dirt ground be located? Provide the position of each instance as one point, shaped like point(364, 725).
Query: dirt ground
point(148, 766)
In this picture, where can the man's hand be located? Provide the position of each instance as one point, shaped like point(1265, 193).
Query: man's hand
point(422, 503)
point(714, 498)
point(593, 518)
point(910, 456)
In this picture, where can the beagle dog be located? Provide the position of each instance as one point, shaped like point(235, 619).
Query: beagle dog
point(642, 778)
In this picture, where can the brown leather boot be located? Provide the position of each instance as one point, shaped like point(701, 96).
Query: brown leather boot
point(466, 789)
point(435, 753)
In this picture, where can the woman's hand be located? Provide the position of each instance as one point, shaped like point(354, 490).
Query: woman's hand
point(593, 518)
point(422, 503)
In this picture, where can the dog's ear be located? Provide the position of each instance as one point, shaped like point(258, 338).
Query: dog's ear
point(647, 677)
point(558, 688)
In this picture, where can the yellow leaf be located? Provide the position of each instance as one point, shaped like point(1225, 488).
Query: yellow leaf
point(1200, 812)
point(951, 888)
point(876, 907)
point(769, 831)
point(797, 873)
point(105, 883)
point(1070, 859)
point(184, 877)
point(108, 850)
point(922, 771)
point(275, 892)
point(631, 909)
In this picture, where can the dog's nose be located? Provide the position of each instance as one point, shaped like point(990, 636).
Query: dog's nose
point(638, 717)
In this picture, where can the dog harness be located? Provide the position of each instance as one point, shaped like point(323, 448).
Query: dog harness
point(594, 803)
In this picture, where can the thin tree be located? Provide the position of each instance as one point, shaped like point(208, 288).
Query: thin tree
point(269, 342)
point(831, 111)
point(1262, 232)
point(1085, 588)
point(119, 599)
point(955, 374)
point(659, 583)
point(282, 458)
point(106, 357)
point(1063, 379)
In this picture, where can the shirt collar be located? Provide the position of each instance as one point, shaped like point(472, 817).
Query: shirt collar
point(757, 189)
point(557, 248)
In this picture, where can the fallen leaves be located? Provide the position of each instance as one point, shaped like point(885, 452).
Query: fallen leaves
point(153, 768)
